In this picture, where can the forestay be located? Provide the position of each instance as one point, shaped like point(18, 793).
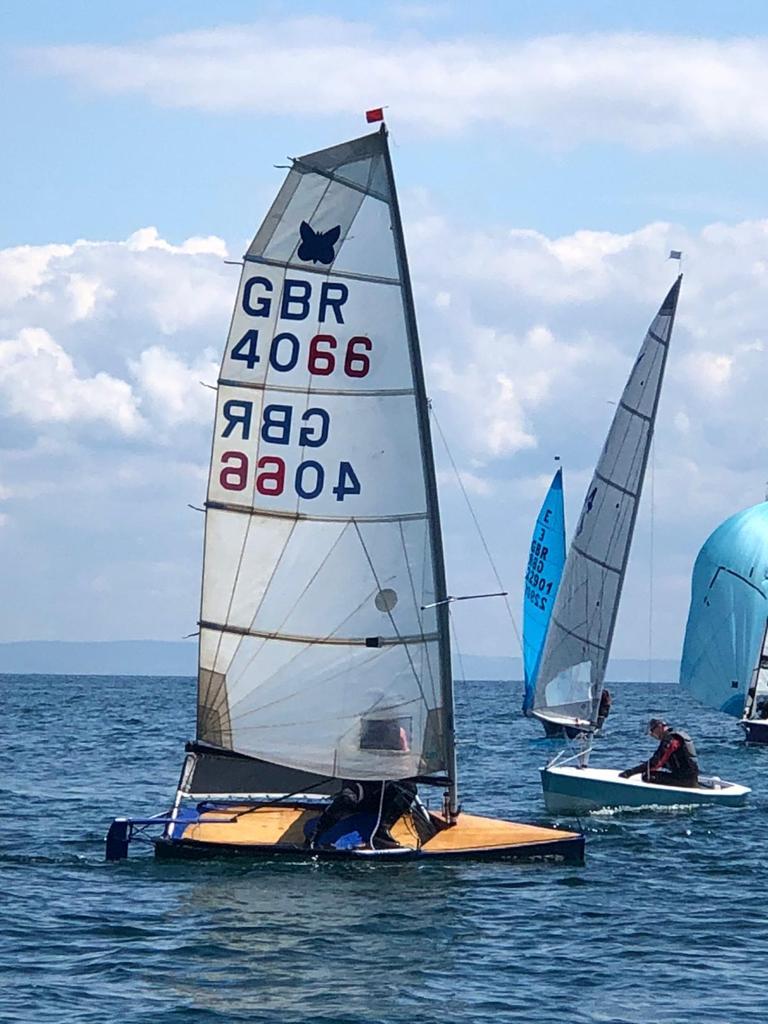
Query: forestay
point(572, 669)
point(546, 558)
point(727, 617)
point(322, 538)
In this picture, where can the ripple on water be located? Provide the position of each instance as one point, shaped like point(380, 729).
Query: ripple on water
point(663, 923)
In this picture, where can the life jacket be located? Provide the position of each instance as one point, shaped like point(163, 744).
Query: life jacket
point(683, 761)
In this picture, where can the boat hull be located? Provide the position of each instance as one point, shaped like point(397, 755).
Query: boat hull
point(277, 833)
point(573, 790)
point(755, 731)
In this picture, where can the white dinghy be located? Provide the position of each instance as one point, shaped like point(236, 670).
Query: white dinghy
point(572, 668)
point(569, 789)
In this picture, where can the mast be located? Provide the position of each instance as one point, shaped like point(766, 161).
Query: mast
point(433, 508)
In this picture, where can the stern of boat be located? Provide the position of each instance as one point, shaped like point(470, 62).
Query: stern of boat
point(755, 731)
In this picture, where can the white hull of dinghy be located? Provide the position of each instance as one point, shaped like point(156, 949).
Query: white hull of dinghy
point(570, 790)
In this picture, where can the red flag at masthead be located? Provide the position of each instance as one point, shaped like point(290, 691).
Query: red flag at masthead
point(377, 114)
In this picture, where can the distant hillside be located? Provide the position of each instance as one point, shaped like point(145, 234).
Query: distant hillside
point(179, 658)
point(620, 670)
point(108, 658)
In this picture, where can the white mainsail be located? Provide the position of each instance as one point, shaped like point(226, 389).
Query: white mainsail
point(322, 541)
point(758, 690)
point(573, 664)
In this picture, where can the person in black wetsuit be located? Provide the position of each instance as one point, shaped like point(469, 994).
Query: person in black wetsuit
point(354, 797)
point(674, 761)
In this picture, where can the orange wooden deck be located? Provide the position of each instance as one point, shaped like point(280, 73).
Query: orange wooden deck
point(271, 826)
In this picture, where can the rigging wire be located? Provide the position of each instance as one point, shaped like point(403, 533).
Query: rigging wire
point(465, 690)
point(475, 520)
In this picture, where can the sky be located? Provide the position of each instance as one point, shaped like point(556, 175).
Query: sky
point(548, 157)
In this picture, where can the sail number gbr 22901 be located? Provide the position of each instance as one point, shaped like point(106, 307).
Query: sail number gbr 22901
point(284, 355)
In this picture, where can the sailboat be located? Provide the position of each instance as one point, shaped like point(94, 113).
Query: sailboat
point(546, 558)
point(573, 664)
point(324, 635)
point(725, 652)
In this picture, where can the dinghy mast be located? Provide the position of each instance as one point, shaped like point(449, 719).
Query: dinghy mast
point(575, 657)
point(430, 479)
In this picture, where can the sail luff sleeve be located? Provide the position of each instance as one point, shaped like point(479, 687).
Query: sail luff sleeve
point(315, 653)
point(580, 633)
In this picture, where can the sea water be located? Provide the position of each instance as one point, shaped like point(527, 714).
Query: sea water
point(666, 922)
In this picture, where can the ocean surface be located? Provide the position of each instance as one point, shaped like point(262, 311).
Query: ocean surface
point(666, 922)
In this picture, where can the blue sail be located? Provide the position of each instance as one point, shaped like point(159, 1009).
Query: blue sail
point(542, 578)
point(727, 617)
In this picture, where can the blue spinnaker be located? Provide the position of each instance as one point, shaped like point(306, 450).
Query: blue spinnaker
point(727, 617)
point(542, 578)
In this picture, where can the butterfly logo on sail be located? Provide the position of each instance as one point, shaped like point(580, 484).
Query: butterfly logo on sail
point(317, 246)
point(587, 509)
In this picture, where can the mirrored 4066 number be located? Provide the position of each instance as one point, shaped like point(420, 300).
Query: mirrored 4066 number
point(270, 472)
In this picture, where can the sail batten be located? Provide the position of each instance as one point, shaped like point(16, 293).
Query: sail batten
point(344, 641)
point(407, 517)
point(575, 657)
point(362, 393)
point(612, 483)
point(635, 412)
point(316, 270)
point(322, 530)
point(597, 561)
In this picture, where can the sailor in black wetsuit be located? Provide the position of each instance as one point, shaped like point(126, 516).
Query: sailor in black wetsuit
point(389, 801)
point(673, 763)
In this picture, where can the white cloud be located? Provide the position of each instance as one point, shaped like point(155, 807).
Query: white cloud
point(472, 483)
point(177, 390)
point(709, 370)
point(526, 338)
point(38, 382)
point(149, 238)
point(642, 89)
point(23, 268)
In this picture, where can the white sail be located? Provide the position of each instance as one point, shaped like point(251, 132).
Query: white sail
point(572, 668)
point(757, 697)
point(322, 537)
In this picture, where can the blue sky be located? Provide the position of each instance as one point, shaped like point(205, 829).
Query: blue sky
point(548, 156)
point(119, 159)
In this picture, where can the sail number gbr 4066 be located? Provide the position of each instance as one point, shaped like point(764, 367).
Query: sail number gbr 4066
point(286, 359)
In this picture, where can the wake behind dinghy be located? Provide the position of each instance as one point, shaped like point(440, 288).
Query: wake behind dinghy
point(324, 635)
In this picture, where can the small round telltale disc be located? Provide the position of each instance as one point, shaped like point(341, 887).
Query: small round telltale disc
point(385, 600)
